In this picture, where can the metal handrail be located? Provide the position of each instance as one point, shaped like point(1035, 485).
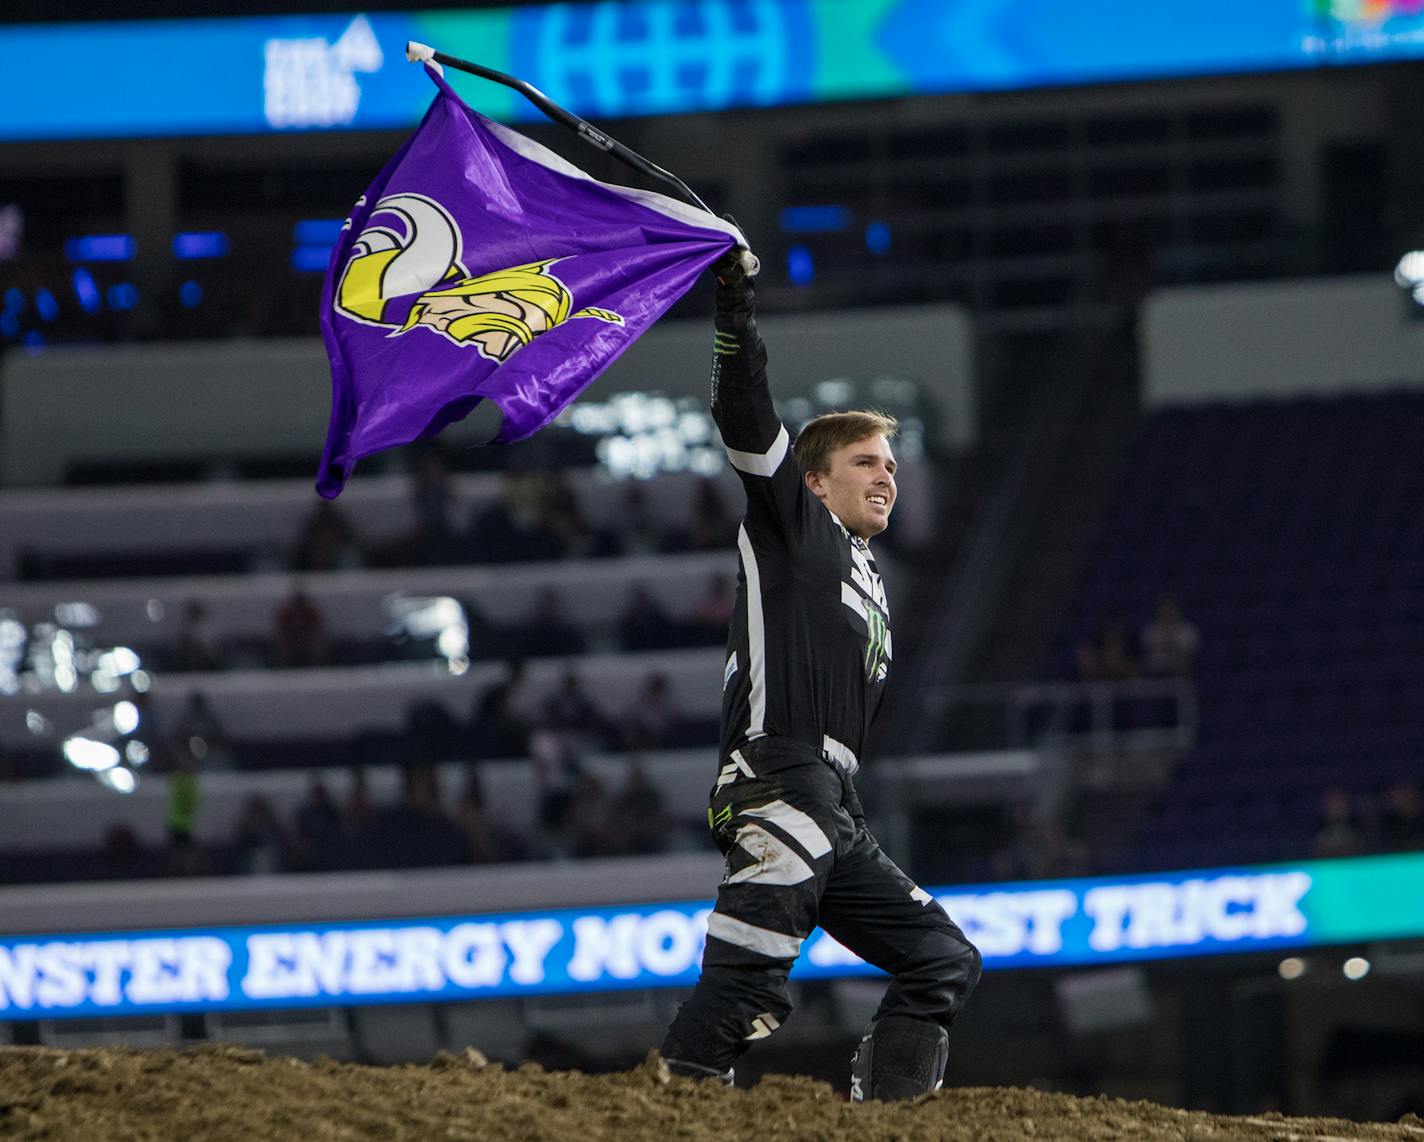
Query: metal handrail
point(1061, 701)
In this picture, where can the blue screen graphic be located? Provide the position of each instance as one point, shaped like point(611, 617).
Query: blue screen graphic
point(1054, 923)
point(617, 58)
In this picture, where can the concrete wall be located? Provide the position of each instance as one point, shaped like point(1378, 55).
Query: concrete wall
point(218, 399)
point(1320, 336)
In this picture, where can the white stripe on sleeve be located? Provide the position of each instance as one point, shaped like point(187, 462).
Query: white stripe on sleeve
point(756, 634)
point(762, 463)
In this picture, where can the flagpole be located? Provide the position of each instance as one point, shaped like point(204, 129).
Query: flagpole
point(423, 53)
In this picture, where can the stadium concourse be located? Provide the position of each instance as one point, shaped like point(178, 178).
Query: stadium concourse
point(420, 772)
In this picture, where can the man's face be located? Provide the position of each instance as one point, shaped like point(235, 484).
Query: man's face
point(858, 485)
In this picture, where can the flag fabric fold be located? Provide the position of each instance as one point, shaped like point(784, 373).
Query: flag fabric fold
point(478, 266)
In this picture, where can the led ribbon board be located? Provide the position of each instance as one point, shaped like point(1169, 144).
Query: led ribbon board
point(648, 57)
point(1041, 924)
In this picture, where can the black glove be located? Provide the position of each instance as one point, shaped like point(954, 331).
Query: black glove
point(738, 266)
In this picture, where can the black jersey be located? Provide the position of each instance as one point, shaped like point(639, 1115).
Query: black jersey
point(808, 653)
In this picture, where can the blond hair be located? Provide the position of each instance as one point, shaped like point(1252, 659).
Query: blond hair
point(830, 431)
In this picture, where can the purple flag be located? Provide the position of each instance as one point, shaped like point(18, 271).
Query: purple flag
point(480, 265)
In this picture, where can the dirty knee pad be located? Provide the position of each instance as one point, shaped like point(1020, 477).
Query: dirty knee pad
point(899, 1057)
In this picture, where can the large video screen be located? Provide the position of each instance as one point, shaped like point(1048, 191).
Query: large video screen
point(618, 58)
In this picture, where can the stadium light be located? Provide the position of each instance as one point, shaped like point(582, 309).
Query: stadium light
point(1409, 275)
point(1356, 968)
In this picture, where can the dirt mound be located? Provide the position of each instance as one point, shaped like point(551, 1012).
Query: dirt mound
point(226, 1094)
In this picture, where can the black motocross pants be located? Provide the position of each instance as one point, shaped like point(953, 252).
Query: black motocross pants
point(798, 855)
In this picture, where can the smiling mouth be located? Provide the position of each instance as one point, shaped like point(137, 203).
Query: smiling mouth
point(881, 501)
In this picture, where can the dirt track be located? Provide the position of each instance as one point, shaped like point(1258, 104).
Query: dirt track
point(227, 1094)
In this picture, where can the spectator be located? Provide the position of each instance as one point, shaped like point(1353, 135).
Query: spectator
point(556, 772)
point(1402, 820)
point(549, 632)
point(1339, 833)
point(496, 728)
point(416, 832)
point(640, 819)
point(319, 835)
point(328, 541)
point(592, 819)
point(713, 611)
point(516, 527)
point(431, 734)
point(184, 856)
point(651, 719)
point(123, 853)
point(259, 839)
point(711, 526)
point(299, 629)
point(195, 647)
point(484, 844)
point(1169, 642)
point(1040, 847)
point(570, 711)
point(1118, 656)
point(563, 514)
point(640, 531)
point(644, 624)
point(201, 733)
point(357, 810)
point(432, 504)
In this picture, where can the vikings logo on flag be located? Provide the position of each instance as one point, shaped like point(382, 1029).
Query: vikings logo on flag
point(481, 266)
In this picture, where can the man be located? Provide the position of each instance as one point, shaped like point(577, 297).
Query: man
point(809, 655)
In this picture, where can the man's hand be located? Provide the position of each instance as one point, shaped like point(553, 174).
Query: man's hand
point(737, 265)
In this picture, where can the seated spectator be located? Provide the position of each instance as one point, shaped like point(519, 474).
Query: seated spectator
point(592, 824)
point(639, 817)
point(356, 810)
point(557, 770)
point(496, 727)
point(485, 844)
point(651, 719)
point(299, 632)
point(1040, 847)
point(195, 648)
point(571, 712)
point(416, 832)
point(319, 836)
point(327, 542)
point(548, 632)
point(1402, 819)
point(1169, 642)
point(1339, 833)
point(712, 613)
point(431, 734)
point(641, 533)
point(644, 624)
point(185, 858)
point(432, 503)
point(711, 527)
point(515, 528)
point(259, 839)
point(565, 518)
point(201, 733)
point(124, 856)
point(1118, 658)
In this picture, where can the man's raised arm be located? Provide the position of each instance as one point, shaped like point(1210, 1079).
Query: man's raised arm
point(757, 443)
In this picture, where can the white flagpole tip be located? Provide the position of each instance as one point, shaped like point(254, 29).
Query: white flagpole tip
point(419, 53)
